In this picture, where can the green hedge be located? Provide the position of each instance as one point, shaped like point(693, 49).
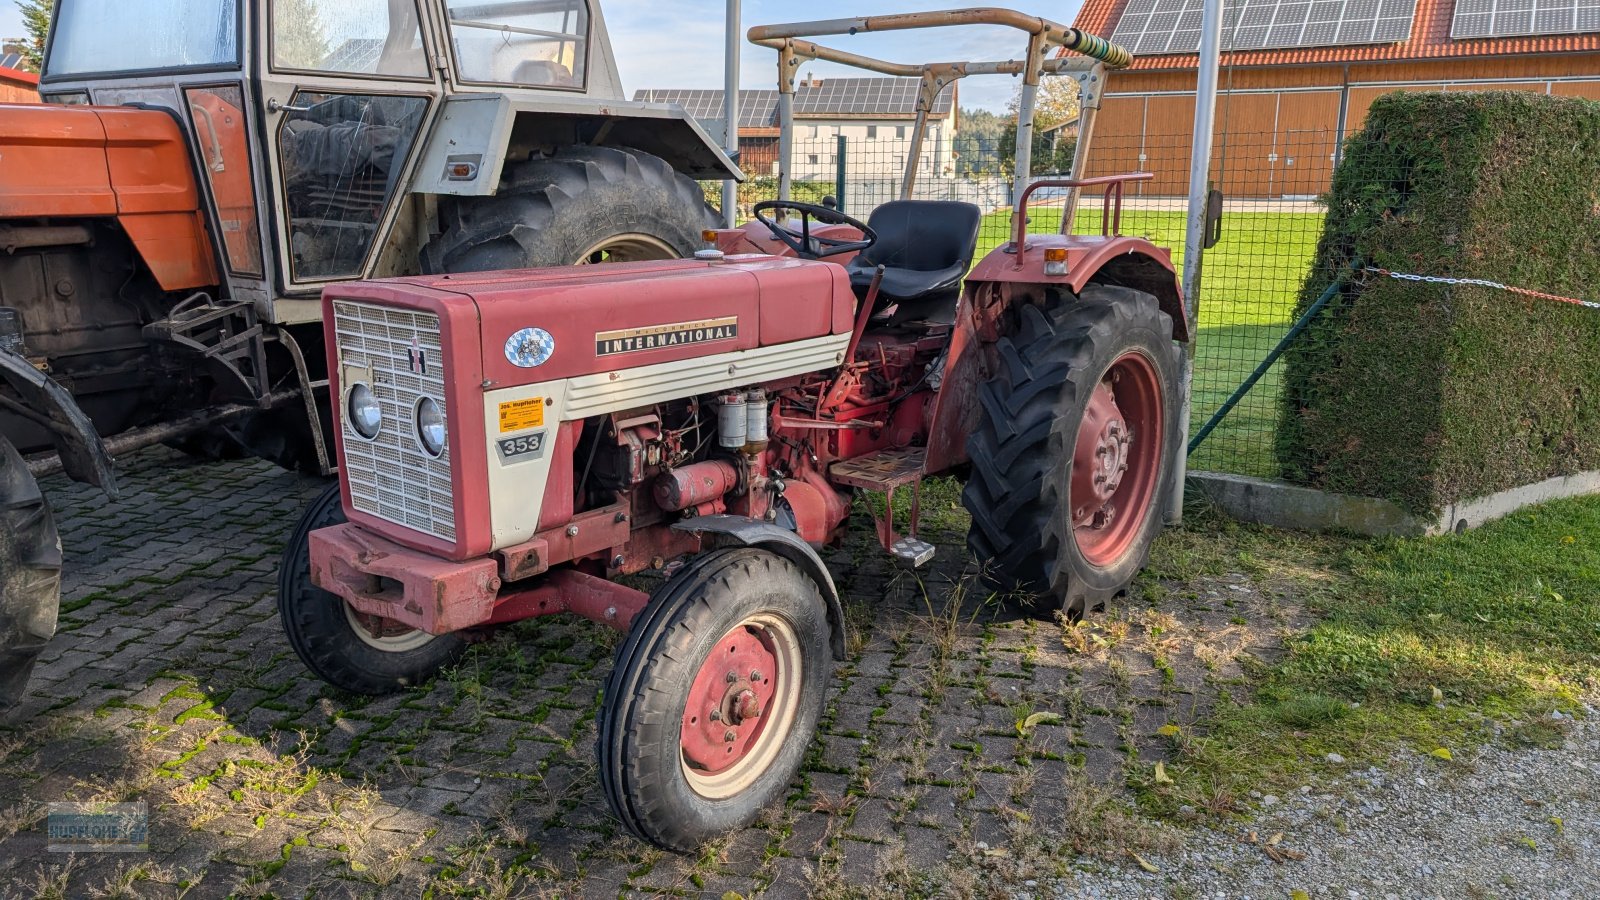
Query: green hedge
point(1428, 394)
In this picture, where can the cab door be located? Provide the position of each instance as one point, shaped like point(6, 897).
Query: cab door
point(348, 89)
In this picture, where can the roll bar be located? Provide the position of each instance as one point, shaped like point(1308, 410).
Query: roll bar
point(789, 41)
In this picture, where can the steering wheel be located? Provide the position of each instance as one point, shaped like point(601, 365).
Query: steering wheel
point(805, 244)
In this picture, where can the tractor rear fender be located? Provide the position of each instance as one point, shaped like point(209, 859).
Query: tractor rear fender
point(1124, 261)
point(739, 531)
point(82, 453)
point(476, 133)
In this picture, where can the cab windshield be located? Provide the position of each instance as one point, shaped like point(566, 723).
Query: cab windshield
point(100, 36)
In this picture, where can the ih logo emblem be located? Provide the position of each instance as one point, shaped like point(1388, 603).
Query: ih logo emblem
point(417, 358)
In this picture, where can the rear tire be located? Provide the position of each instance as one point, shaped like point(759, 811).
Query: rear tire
point(30, 574)
point(1079, 381)
point(667, 769)
point(581, 205)
point(328, 634)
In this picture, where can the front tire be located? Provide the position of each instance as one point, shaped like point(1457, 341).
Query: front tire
point(349, 650)
point(714, 698)
point(1075, 450)
point(30, 574)
point(581, 205)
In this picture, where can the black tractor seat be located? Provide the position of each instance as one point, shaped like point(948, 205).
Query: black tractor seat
point(925, 247)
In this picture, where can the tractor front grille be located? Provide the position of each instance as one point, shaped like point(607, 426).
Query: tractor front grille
point(390, 477)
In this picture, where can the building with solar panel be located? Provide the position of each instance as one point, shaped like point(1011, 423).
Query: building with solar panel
point(874, 115)
point(17, 85)
point(1298, 76)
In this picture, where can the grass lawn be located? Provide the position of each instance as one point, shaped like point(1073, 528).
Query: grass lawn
point(1439, 644)
point(1252, 278)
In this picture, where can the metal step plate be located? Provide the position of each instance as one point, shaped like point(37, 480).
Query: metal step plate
point(913, 550)
point(882, 470)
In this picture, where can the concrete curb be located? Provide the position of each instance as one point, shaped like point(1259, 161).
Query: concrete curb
point(1283, 505)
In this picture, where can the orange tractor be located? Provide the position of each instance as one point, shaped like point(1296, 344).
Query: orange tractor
point(201, 170)
point(509, 443)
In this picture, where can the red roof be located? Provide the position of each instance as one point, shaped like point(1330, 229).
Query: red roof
point(8, 74)
point(1430, 39)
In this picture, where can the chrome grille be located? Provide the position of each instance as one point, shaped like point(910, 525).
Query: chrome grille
point(390, 476)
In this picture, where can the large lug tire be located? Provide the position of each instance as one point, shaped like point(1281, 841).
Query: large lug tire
point(30, 574)
point(360, 654)
point(581, 205)
point(1074, 455)
point(668, 769)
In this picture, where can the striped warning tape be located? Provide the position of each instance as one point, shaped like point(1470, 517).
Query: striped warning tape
point(1480, 282)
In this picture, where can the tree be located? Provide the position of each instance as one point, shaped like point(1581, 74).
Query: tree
point(299, 37)
point(36, 19)
point(1056, 104)
point(977, 142)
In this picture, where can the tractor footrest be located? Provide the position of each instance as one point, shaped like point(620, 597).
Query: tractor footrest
point(913, 550)
point(881, 471)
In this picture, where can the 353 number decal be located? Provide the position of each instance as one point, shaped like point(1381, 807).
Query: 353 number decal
point(517, 449)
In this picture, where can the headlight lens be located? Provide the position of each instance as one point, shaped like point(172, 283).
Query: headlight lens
point(363, 411)
point(430, 427)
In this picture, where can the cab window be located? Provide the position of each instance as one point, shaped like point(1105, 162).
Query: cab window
point(349, 37)
point(530, 43)
point(95, 36)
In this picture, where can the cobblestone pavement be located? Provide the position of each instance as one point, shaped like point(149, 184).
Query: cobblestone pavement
point(171, 683)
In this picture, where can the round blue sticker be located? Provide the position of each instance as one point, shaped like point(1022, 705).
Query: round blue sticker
point(530, 347)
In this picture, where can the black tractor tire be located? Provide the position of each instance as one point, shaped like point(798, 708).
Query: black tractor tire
point(552, 211)
point(323, 633)
point(1022, 528)
point(644, 769)
point(30, 574)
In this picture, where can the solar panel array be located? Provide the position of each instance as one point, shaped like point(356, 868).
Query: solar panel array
point(866, 97)
point(10, 60)
point(1173, 26)
point(1506, 18)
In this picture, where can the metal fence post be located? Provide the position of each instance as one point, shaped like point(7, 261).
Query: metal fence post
point(730, 113)
point(842, 154)
point(1205, 115)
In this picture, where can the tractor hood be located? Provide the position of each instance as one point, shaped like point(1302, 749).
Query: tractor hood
point(590, 319)
point(109, 162)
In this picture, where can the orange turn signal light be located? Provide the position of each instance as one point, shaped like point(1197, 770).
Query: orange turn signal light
point(1055, 261)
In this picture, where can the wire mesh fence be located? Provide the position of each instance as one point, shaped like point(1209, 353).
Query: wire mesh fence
point(1272, 218)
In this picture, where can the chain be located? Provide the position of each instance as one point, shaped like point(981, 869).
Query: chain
point(1480, 282)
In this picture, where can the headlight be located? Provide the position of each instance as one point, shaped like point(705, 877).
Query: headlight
point(430, 427)
point(363, 411)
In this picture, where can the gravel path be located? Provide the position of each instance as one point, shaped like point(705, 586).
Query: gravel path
point(1494, 823)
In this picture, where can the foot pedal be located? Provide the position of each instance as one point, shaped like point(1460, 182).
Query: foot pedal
point(913, 550)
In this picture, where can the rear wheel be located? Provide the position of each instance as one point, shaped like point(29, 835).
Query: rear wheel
point(581, 205)
point(349, 649)
point(714, 698)
point(1075, 450)
point(30, 574)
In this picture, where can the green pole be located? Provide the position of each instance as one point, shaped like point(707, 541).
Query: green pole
point(838, 177)
point(1288, 339)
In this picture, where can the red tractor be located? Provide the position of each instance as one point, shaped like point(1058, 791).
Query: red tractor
point(510, 442)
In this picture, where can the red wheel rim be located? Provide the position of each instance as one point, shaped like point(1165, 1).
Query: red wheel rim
point(1116, 462)
point(740, 706)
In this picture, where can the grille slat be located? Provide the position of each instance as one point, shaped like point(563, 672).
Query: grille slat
point(390, 476)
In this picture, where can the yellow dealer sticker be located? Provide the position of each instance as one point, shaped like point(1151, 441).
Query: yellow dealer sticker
point(515, 415)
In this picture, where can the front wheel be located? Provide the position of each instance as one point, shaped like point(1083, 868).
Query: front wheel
point(714, 698)
point(349, 649)
point(1075, 450)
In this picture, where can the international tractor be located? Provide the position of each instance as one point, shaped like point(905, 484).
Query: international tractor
point(201, 170)
point(511, 443)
